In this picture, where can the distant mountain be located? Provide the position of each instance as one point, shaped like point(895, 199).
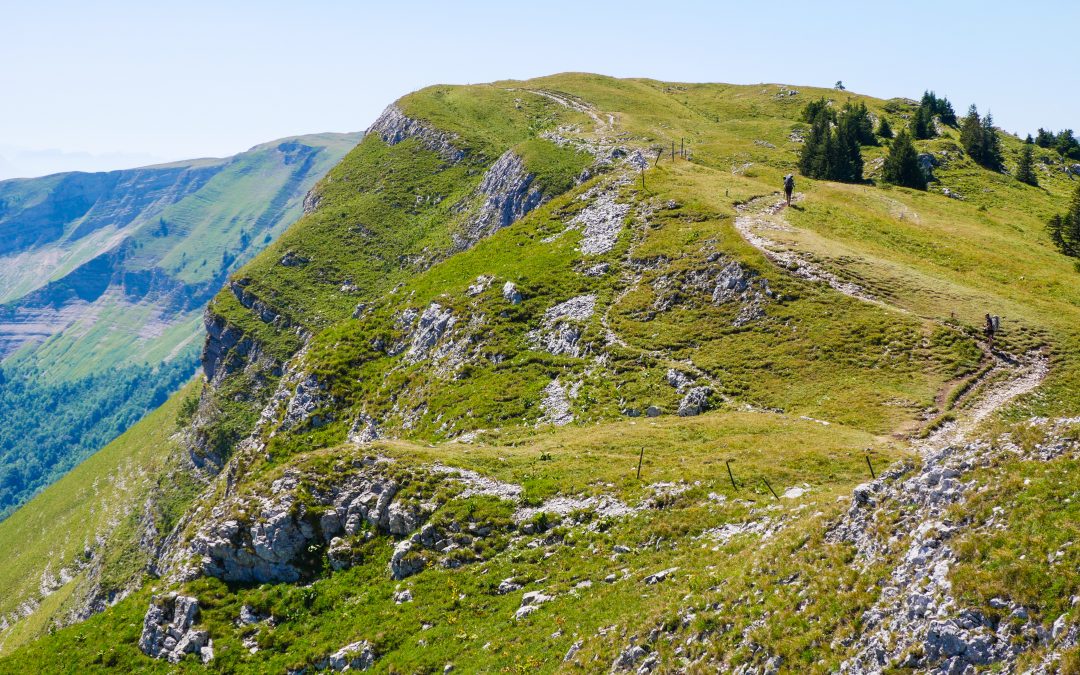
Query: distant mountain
point(108, 273)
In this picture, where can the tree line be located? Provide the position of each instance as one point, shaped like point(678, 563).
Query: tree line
point(1063, 142)
point(832, 151)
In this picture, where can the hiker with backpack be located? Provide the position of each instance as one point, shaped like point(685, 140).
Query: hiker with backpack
point(789, 187)
point(993, 325)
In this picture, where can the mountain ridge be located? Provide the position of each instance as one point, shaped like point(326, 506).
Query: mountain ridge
point(649, 420)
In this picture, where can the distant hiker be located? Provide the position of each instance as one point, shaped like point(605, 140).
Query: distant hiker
point(789, 187)
point(991, 328)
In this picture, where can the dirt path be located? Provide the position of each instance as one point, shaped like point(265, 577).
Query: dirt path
point(756, 217)
point(1023, 376)
point(602, 127)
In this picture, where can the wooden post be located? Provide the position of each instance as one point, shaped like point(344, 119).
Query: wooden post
point(731, 475)
point(673, 150)
point(770, 488)
point(682, 148)
point(659, 154)
point(640, 458)
point(643, 179)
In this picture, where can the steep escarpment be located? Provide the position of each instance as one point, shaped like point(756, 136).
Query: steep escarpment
point(521, 391)
point(446, 190)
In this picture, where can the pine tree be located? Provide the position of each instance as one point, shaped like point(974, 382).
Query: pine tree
point(1067, 145)
point(1056, 229)
point(849, 164)
point(884, 130)
point(859, 118)
point(1071, 223)
point(1025, 168)
point(991, 145)
point(1045, 139)
point(833, 149)
point(1029, 140)
point(980, 139)
point(940, 107)
point(971, 132)
point(813, 161)
point(945, 111)
point(922, 123)
point(1064, 230)
point(902, 164)
point(815, 109)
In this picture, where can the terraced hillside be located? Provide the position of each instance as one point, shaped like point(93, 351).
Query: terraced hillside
point(103, 279)
point(549, 378)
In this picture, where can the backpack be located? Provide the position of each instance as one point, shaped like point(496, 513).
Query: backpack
point(789, 182)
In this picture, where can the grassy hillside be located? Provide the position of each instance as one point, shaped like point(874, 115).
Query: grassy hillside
point(661, 312)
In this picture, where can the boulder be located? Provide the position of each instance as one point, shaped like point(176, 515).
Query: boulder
point(510, 293)
point(405, 562)
point(927, 162)
point(354, 656)
point(168, 630)
point(695, 402)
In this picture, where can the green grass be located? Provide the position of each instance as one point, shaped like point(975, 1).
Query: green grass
point(1039, 515)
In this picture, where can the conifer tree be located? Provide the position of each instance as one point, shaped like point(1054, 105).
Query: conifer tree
point(939, 107)
point(859, 119)
point(902, 164)
point(812, 161)
point(884, 130)
point(980, 139)
point(1067, 145)
point(1025, 168)
point(945, 112)
point(814, 109)
point(922, 123)
point(970, 132)
point(1056, 229)
point(1065, 230)
point(1045, 139)
point(991, 145)
point(833, 149)
point(1072, 224)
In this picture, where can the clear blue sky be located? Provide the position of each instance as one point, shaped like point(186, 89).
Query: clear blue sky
point(125, 83)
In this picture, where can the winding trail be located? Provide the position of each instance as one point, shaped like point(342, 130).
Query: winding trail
point(906, 516)
point(767, 213)
point(566, 102)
